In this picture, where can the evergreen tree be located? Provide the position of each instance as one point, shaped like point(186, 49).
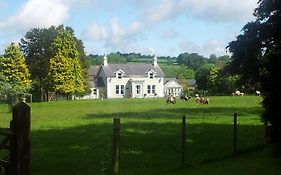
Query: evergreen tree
point(14, 69)
point(64, 51)
point(14, 75)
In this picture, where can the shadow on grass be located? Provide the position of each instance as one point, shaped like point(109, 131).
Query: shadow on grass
point(170, 113)
point(146, 148)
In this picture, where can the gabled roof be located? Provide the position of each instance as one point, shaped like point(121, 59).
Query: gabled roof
point(132, 69)
point(172, 84)
point(93, 71)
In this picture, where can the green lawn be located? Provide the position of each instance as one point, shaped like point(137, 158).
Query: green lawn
point(74, 137)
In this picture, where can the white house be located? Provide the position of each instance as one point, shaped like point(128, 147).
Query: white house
point(131, 80)
point(173, 88)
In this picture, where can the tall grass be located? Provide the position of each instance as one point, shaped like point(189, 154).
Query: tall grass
point(74, 137)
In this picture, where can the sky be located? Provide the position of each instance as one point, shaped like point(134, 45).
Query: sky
point(161, 27)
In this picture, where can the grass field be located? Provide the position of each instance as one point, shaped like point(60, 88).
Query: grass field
point(74, 137)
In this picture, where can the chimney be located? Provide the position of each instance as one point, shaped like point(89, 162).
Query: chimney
point(154, 61)
point(105, 64)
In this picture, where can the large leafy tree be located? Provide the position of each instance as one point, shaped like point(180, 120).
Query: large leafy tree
point(36, 46)
point(64, 52)
point(202, 75)
point(14, 75)
point(256, 58)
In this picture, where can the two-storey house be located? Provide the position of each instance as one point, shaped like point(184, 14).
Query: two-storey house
point(137, 80)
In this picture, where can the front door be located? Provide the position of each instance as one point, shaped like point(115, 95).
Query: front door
point(138, 90)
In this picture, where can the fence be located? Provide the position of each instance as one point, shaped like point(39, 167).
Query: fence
point(116, 142)
point(17, 142)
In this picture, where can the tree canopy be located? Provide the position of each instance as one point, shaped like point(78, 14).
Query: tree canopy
point(13, 69)
point(256, 58)
point(65, 72)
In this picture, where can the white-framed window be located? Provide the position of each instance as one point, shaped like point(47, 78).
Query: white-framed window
point(119, 74)
point(138, 89)
point(119, 89)
point(151, 89)
point(151, 74)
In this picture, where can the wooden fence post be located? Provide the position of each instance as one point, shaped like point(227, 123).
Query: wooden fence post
point(116, 146)
point(235, 132)
point(183, 138)
point(20, 142)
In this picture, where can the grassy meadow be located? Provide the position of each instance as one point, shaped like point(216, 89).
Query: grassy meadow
point(74, 137)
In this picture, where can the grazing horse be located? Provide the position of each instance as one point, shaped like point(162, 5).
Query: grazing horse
point(171, 99)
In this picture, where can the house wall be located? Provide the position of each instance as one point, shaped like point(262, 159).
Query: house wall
point(130, 87)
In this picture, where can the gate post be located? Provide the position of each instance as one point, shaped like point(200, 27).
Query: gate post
point(116, 146)
point(235, 132)
point(183, 138)
point(20, 142)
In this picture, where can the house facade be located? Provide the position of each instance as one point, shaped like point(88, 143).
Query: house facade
point(130, 80)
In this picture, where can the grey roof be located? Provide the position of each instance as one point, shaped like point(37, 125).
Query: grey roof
point(191, 82)
point(93, 71)
point(132, 69)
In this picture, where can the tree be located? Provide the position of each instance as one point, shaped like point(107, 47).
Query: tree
point(256, 58)
point(116, 58)
point(202, 75)
point(213, 79)
point(192, 60)
point(15, 77)
point(36, 48)
point(64, 51)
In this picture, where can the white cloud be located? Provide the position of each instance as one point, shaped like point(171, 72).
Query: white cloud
point(95, 32)
point(40, 13)
point(36, 13)
point(209, 10)
point(115, 35)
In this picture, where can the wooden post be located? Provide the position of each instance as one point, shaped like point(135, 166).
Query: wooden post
point(183, 138)
point(20, 142)
point(235, 133)
point(116, 146)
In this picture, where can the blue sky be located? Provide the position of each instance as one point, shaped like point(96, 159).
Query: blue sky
point(161, 27)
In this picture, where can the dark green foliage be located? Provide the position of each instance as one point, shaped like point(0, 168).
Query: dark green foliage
point(177, 71)
point(202, 75)
point(256, 58)
point(192, 60)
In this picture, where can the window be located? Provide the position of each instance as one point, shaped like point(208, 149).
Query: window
point(151, 74)
point(138, 89)
point(119, 89)
point(119, 75)
point(151, 89)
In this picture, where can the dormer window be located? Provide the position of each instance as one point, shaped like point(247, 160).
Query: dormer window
point(151, 74)
point(119, 74)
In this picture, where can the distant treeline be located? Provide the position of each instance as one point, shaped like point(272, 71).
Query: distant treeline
point(191, 60)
